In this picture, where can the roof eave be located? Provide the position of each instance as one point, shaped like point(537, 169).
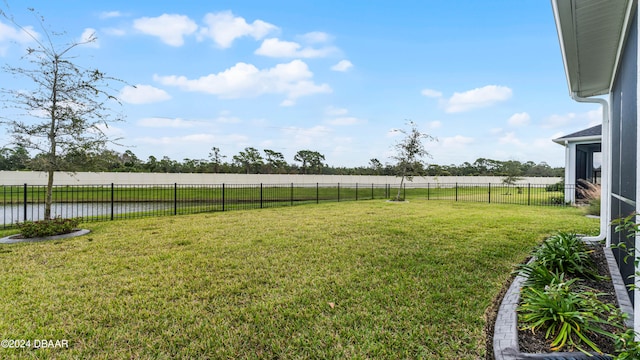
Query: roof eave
point(579, 48)
point(564, 141)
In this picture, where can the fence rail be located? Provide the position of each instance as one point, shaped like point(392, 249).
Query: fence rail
point(112, 201)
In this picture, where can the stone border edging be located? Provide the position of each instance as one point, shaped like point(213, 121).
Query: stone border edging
point(10, 240)
point(505, 334)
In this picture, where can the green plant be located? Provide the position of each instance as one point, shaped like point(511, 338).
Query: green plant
point(559, 186)
point(41, 228)
point(594, 207)
point(628, 226)
point(537, 275)
point(557, 200)
point(566, 253)
point(626, 346)
point(566, 316)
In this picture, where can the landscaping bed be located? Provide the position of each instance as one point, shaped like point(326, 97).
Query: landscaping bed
point(568, 301)
point(535, 342)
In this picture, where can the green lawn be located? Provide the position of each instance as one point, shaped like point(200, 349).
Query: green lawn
point(366, 279)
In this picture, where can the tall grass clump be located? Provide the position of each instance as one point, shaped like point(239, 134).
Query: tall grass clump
point(591, 193)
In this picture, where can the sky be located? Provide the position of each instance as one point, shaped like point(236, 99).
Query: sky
point(485, 78)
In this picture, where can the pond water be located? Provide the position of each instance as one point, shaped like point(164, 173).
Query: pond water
point(15, 213)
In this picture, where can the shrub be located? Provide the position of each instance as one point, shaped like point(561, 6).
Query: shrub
point(566, 253)
point(42, 228)
point(537, 275)
point(567, 316)
point(559, 186)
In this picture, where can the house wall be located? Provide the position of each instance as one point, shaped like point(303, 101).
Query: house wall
point(624, 112)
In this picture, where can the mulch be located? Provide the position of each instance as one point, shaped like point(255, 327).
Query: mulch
point(535, 342)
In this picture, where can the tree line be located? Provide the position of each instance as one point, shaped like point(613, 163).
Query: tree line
point(253, 161)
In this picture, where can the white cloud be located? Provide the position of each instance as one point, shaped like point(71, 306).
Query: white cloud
point(333, 111)
point(224, 119)
point(556, 120)
point(435, 125)
point(111, 131)
point(345, 120)
point(342, 65)
point(315, 37)
point(243, 80)
point(89, 38)
point(110, 14)
point(170, 28)
point(287, 103)
point(10, 34)
point(339, 117)
point(477, 98)
point(595, 117)
point(431, 93)
point(224, 28)
point(510, 139)
point(584, 120)
point(161, 122)
point(142, 94)
point(305, 137)
point(519, 119)
point(277, 48)
point(114, 31)
point(179, 140)
point(456, 141)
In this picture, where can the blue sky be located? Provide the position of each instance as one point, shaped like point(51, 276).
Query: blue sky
point(484, 77)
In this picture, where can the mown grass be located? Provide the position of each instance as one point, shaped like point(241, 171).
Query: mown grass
point(338, 280)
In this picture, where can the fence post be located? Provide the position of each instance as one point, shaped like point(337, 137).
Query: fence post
point(356, 191)
point(404, 192)
point(529, 194)
point(317, 193)
point(338, 192)
point(223, 197)
point(112, 200)
point(291, 194)
point(428, 191)
point(489, 193)
point(24, 200)
point(372, 196)
point(456, 191)
point(260, 195)
point(175, 198)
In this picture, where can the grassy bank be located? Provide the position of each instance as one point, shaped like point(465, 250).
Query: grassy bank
point(338, 280)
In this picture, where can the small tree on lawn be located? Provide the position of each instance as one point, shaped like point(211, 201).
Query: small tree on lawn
point(66, 109)
point(409, 153)
point(512, 173)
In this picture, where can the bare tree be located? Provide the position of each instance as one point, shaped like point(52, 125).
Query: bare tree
point(65, 110)
point(409, 153)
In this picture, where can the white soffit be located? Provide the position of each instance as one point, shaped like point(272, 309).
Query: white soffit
point(591, 33)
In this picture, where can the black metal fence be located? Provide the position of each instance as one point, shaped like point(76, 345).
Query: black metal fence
point(111, 201)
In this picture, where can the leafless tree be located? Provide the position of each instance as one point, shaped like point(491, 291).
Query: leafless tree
point(66, 107)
